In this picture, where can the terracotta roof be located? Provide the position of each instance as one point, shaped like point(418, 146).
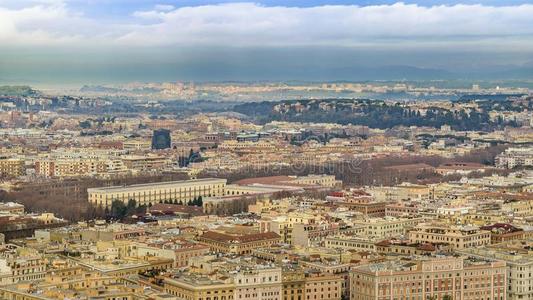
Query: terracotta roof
point(384, 243)
point(427, 247)
point(359, 193)
point(408, 167)
point(336, 194)
point(264, 180)
point(501, 226)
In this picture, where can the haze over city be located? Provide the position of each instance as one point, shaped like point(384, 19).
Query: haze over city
point(100, 41)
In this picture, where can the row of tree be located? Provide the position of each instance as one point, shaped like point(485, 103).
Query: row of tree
point(371, 172)
point(197, 201)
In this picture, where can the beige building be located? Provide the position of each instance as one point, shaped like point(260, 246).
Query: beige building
point(387, 227)
point(73, 283)
point(519, 268)
point(73, 167)
point(322, 180)
point(145, 163)
point(284, 225)
point(323, 287)
point(200, 288)
point(344, 242)
point(238, 244)
point(151, 193)
point(258, 283)
point(430, 278)
point(11, 167)
point(21, 264)
point(183, 255)
point(459, 237)
point(12, 208)
point(293, 282)
point(137, 145)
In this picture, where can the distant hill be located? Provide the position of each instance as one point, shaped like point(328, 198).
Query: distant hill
point(378, 114)
point(17, 90)
point(98, 89)
point(113, 90)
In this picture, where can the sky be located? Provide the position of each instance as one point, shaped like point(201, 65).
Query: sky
point(114, 41)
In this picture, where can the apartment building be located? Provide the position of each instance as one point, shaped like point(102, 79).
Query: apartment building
point(323, 287)
point(399, 247)
point(322, 180)
point(305, 234)
point(69, 167)
point(514, 157)
point(344, 242)
point(184, 254)
point(145, 162)
point(293, 282)
point(199, 288)
point(21, 264)
point(459, 237)
point(238, 244)
point(258, 282)
point(12, 208)
point(73, 167)
point(73, 283)
point(387, 227)
point(430, 278)
point(11, 167)
point(137, 145)
point(284, 225)
point(519, 264)
point(151, 193)
point(327, 267)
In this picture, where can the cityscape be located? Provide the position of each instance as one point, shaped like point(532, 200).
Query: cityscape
point(270, 150)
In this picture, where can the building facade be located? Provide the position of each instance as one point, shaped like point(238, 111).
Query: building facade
point(430, 278)
point(151, 193)
point(459, 237)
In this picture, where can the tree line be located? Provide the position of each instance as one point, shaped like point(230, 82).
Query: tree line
point(375, 114)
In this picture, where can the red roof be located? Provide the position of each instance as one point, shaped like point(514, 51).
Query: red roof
point(336, 194)
point(501, 226)
point(384, 243)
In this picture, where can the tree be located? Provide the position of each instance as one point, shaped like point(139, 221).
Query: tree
point(132, 204)
point(118, 209)
point(85, 124)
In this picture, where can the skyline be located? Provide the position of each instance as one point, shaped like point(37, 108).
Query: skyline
point(77, 42)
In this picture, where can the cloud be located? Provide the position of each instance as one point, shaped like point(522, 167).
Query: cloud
point(50, 22)
point(164, 7)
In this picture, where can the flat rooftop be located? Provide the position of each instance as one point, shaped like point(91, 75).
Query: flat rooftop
point(153, 184)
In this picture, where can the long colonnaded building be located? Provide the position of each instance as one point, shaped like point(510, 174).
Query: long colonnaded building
point(210, 189)
point(152, 193)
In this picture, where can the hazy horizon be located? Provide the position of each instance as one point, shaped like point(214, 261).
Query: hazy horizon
point(76, 42)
